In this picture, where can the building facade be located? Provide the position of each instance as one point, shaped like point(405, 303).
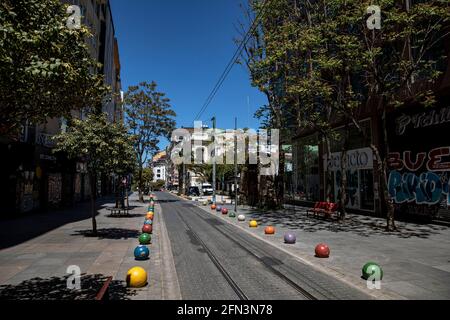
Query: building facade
point(418, 159)
point(36, 179)
point(159, 167)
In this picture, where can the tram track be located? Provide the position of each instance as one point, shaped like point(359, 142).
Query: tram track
point(216, 261)
point(241, 295)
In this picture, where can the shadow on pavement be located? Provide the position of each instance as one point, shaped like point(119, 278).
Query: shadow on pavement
point(132, 215)
point(166, 201)
point(56, 289)
point(111, 233)
point(15, 231)
point(363, 226)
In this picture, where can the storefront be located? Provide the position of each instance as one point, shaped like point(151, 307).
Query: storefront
point(360, 181)
point(317, 175)
point(305, 169)
point(419, 161)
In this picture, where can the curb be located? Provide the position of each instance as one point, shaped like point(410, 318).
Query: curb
point(170, 285)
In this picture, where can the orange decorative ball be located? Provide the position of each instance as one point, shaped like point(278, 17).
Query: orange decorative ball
point(150, 216)
point(213, 207)
point(269, 230)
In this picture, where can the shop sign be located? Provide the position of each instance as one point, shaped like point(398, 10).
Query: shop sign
point(424, 119)
point(356, 159)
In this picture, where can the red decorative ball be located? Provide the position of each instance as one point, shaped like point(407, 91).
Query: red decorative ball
point(224, 211)
point(147, 228)
point(322, 251)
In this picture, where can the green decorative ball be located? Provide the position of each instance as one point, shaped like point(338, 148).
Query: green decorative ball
point(145, 238)
point(372, 269)
point(232, 215)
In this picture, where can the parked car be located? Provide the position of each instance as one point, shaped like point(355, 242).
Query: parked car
point(207, 189)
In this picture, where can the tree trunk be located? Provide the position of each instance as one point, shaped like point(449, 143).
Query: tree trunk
point(140, 183)
point(93, 177)
point(344, 183)
point(381, 173)
point(390, 214)
point(328, 172)
point(117, 192)
point(280, 179)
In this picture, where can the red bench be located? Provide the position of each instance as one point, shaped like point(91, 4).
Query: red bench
point(325, 208)
point(103, 294)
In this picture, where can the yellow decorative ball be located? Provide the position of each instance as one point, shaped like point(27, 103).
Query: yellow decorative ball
point(136, 277)
point(253, 224)
point(150, 216)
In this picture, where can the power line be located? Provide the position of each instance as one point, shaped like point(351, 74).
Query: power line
point(232, 62)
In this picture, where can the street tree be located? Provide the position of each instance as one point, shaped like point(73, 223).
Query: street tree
point(150, 118)
point(107, 148)
point(402, 65)
point(267, 73)
point(46, 69)
point(333, 64)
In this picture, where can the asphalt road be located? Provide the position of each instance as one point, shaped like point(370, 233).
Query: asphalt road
point(215, 260)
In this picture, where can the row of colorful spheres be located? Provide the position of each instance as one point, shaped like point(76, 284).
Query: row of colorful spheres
point(137, 276)
point(321, 251)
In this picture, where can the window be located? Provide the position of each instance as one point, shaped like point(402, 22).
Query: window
point(366, 189)
point(306, 169)
point(356, 139)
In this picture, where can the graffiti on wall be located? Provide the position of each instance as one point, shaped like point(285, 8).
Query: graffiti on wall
point(422, 178)
point(54, 188)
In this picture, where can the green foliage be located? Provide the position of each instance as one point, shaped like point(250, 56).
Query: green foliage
point(157, 185)
point(205, 171)
point(106, 147)
point(150, 118)
point(45, 67)
point(317, 60)
point(147, 175)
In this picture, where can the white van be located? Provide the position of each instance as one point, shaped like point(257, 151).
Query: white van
point(207, 189)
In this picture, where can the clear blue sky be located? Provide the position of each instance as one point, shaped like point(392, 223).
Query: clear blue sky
point(184, 45)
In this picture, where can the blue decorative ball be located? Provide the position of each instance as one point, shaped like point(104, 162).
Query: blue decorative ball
point(219, 209)
point(141, 253)
point(150, 222)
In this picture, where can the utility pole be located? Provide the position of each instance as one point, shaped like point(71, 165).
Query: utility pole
point(235, 166)
point(214, 161)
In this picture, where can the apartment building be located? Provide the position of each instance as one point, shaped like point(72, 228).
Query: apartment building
point(36, 178)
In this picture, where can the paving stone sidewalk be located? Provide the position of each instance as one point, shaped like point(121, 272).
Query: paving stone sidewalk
point(36, 251)
point(415, 260)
